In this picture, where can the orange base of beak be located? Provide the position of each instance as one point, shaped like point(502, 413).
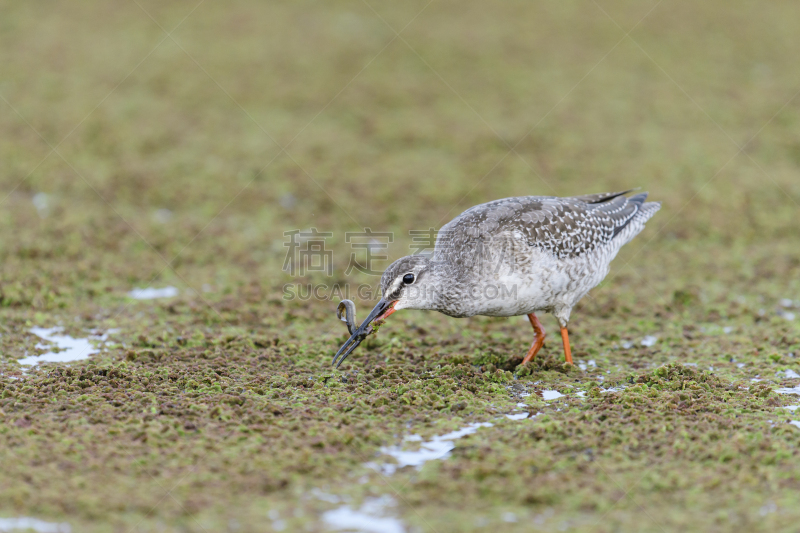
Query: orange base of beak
point(388, 312)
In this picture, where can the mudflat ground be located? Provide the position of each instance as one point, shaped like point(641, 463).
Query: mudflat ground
point(172, 145)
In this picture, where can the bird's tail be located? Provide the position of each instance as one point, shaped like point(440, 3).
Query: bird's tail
point(646, 209)
point(644, 212)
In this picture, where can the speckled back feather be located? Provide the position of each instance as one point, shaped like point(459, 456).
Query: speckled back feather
point(566, 227)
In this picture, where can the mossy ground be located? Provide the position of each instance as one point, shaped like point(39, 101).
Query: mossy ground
point(218, 410)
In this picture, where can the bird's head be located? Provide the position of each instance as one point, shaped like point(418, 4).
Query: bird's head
point(406, 284)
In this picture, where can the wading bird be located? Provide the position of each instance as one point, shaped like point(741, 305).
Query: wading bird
point(510, 257)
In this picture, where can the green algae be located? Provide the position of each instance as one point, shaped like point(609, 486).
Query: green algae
point(238, 422)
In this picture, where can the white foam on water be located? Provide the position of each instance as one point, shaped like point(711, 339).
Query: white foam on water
point(150, 293)
point(366, 519)
point(25, 523)
point(437, 448)
point(72, 349)
point(551, 394)
point(649, 340)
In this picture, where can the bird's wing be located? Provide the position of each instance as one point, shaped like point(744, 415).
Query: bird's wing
point(566, 227)
point(600, 197)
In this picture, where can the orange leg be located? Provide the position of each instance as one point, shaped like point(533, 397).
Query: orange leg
point(538, 340)
point(565, 338)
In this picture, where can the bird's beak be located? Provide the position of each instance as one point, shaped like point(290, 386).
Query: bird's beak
point(379, 312)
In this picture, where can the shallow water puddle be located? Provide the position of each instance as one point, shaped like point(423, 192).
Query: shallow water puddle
point(517, 416)
point(368, 518)
point(791, 374)
point(150, 293)
point(25, 523)
point(647, 341)
point(437, 448)
point(71, 349)
point(795, 423)
point(788, 390)
point(551, 394)
point(713, 329)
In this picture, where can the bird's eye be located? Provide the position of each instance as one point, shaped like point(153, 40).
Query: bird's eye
point(408, 279)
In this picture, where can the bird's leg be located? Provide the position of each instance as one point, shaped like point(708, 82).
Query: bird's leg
point(565, 338)
point(538, 341)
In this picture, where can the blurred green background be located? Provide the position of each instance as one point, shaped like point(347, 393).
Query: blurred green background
point(379, 115)
point(173, 143)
